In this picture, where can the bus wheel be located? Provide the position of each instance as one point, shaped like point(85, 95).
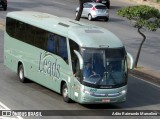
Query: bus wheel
point(65, 93)
point(21, 74)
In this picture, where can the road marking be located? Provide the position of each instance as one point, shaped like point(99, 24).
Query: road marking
point(146, 81)
point(4, 107)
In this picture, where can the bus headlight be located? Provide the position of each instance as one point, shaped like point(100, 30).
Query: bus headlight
point(87, 92)
point(123, 92)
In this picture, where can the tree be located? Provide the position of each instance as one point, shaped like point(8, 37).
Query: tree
point(144, 17)
point(78, 16)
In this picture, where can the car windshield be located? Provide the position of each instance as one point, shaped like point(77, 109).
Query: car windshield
point(104, 68)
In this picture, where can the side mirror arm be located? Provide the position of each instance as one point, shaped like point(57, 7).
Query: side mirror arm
point(131, 60)
point(80, 59)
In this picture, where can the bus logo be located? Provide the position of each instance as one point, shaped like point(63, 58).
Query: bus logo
point(48, 66)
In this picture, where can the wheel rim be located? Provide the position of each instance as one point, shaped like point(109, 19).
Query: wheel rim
point(65, 92)
point(21, 74)
point(76, 14)
point(89, 17)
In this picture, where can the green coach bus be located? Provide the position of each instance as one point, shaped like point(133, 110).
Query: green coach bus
point(84, 63)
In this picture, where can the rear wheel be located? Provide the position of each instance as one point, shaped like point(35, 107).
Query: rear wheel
point(21, 74)
point(65, 93)
point(90, 17)
point(106, 19)
point(108, 5)
point(76, 14)
point(5, 7)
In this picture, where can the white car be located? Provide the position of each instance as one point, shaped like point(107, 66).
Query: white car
point(94, 11)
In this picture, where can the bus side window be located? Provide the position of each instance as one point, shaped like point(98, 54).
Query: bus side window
point(51, 43)
point(63, 48)
point(10, 26)
point(74, 58)
point(40, 38)
point(30, 34)
point(20, 31)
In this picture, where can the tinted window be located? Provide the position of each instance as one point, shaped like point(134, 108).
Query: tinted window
point(74, 46)
point(29, 37)
point(58, 45)
point(88, 1)
point(100, 7)
point(89, 6)
point(115, 53)
point(51, 43)
point(40, 38)
point(20, 31)
point(63, 48)
point(10, 26)
point(37, 37)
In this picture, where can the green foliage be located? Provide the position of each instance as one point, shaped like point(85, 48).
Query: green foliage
point(144, 16)
point(158, 0)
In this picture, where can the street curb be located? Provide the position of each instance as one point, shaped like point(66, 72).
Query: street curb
point(145, 76)
point(1, 24)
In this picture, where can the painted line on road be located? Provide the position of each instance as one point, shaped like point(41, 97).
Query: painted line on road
point(4, 107)
point(146, 81)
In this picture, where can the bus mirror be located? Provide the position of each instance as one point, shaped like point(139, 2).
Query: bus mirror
point(80, 59)
point(131, 61)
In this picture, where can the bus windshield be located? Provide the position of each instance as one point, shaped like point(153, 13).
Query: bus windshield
point(104, 68)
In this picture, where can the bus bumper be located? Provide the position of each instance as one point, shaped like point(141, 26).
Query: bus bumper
point(102, 96)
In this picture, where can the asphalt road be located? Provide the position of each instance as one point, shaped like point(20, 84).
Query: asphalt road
point(31, 96)
point(141, 95)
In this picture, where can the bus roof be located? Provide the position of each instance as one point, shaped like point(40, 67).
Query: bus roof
point(86, 35)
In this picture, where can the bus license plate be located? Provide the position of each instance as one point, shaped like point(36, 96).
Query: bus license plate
point(105, 100)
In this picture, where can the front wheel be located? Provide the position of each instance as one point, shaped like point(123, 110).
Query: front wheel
point(65, 93)
point(21, 74)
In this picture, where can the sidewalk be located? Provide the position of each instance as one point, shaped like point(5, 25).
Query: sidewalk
point(143, 72)
point(145, 2)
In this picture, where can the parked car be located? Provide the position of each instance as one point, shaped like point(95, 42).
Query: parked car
point(3, 4)
point(94, 11)
point(105, 2)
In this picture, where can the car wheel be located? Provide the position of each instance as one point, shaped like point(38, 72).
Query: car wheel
point(76, 14)
point(108, 6)
point(90, 17)
point(5, 8)
point(21, 74)
point(65, 93)
point(106, 19)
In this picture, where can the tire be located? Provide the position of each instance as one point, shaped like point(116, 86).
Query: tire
point(90, 17)
point(5, 7)
point(76, 14)
point(65, 93)
point(21, 74)
point(108, 5)
point(106, 19)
